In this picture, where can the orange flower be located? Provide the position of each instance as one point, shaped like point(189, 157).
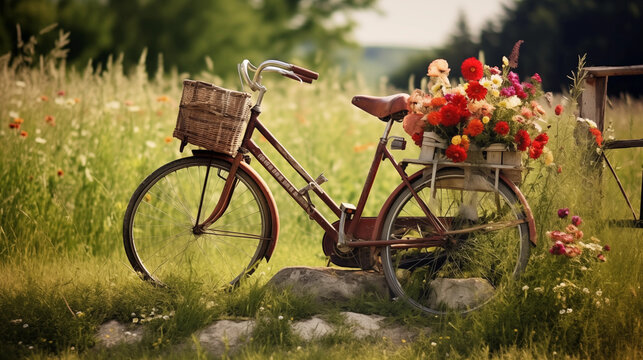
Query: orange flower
point(76, 100)
point(44, 98)
point(474, 128)
point(168, 139)
point(363, 147)
point(24, 134)
point(18, 120)
point(434, 118)
point(597, 135)
point(163, 98)
point(60, 172)
point(49, 119)
point(438, 101)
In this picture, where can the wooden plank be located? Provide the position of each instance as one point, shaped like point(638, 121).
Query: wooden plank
point(603, 71)
point(593, 99)
point(623, 144)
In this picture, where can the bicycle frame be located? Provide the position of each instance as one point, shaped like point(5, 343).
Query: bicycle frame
point(352, 225)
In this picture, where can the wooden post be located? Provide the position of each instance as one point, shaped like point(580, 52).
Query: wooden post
point(593, 99)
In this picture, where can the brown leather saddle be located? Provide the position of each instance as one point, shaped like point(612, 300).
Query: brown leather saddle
point(385, 108)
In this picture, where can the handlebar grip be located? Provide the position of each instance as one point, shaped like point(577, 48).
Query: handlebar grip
point(305, 72)
point(298, 77)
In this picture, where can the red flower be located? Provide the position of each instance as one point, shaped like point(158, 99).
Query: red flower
point(434, 118)
point(557, 249)
point(417, 138)
point(60, 172)
point(474, 128)
point(542, 138)
point(476, 91)
point(536, 78)
point(607, 247)
point(502, 128)
point(472, 69)
point(450, 115)
point(597, 135)
point(535, 150)
point(14, 125)
point(559, 109)
point(461, 103)
point(522, 140)
point(456, 153)
point(24, 134)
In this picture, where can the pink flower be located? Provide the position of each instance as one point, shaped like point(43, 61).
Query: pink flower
point(601, 257)
point(536, 78)
point(557, 249)
point(576, 220)
point(572, 251)
point(562, 213)
point(560, 236)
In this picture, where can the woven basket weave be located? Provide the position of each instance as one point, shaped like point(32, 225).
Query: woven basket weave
point(212, 117)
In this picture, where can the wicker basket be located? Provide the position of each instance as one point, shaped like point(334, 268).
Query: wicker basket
point(212, 117)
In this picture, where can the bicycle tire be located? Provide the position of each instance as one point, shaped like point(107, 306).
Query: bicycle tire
point(158, 226)
point(427, 277)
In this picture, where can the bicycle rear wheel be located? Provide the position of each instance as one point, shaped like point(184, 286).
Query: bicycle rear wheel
point(159, 225)
point(469, 269)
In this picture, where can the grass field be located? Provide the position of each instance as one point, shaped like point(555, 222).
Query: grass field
point(87, 139)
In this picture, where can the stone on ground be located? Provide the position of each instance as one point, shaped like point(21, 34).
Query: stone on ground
point(114, 333)
point(225, 336)
point(328, 284)
point(361, 324)
point(312, 328)
point(460, 294)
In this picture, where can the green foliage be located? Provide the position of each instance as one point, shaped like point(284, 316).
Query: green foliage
point(185, 32)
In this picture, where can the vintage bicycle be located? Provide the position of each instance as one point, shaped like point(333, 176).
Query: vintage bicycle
point(212, 214)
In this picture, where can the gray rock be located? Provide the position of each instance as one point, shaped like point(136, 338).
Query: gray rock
point(312, 328)
point(114, 333)
point(329, 284)
point(361, 324)
point(225, 336)
point(460, 294)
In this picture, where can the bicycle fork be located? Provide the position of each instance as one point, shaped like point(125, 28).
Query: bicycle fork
point(224, 199)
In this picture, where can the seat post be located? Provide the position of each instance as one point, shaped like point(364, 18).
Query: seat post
point(387, 130)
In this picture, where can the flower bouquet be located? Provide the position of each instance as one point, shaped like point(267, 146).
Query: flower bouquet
point(490, 111)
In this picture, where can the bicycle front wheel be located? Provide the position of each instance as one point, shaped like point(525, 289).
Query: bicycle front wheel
point(471, 267)
point(160, 234)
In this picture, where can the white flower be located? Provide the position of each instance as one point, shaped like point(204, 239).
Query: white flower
point(133, 314)
point(20, 84)
point(165, 317)
point(569, 310)
point(13, 114)
point(562, 311)
point(134, 108)
point(280, 317)
point(584, 268)
point(40, 140)
point(525, 288)
point(607, 300)
point(599, 293)
point(135, 320)
point(112, 105)
point(60, 101)
point(25, 326)
point(16, 321)
point(513, 101)
point(433, 343)
point(150, 144)
point(538, 289)
point(261, 308)
point(586, 290)
point(496, 80)
point(487, 83)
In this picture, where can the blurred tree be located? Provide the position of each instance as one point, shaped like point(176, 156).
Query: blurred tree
point(186, 31)
point(555, 33)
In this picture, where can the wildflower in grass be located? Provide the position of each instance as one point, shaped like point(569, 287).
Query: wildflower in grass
point(13, 125)
point(561, 311)
point(364, 147)
point(80, 314)
point(586, 290)
point(18, 120)
point(598, 137)
point(59, 101)
point(549, 156)
point(471, 69)
point(135, 320)
point(601, 257)
point(539, 289)
point(40, 140)
point(16, 321)
point(502, 128)
point(280, 317)
point(558, 109)
point(562, 213)
point(43, 98)
point(525, 288)
point(456, 153)
point(558, 248)
point(576, 220)
point(76, 100)
point(607, 247)
point(24, 326)
point(60, 172)
point(112, 105)
point(49, 119)
point(569, 310)
point(403, 341)
point(163, 98)
point(24, 134)
point(61, 93)
point(433, 343)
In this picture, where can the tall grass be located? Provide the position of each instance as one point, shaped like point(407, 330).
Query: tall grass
point(64, 185)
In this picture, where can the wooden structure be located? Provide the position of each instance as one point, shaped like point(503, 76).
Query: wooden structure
point(592, 106)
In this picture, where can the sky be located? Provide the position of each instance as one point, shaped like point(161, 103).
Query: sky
point(421, 23)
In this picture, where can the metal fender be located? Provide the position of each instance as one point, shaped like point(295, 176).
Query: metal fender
point(274, 214)
point(379, 222)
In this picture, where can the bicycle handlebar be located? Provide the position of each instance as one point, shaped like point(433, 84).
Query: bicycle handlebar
point(285, 69)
